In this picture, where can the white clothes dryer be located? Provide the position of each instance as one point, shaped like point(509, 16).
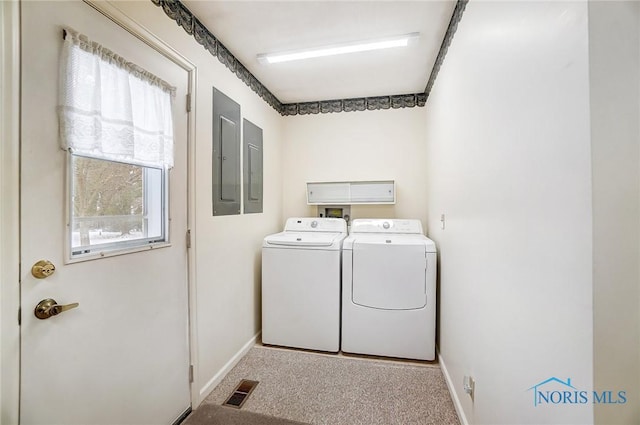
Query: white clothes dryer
point(301, 278)
point(389, 289)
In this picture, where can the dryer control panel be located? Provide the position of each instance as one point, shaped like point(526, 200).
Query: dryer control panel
point(315, 224)
point(382, 225)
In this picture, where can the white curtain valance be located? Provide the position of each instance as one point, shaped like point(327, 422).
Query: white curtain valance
point(113, 109)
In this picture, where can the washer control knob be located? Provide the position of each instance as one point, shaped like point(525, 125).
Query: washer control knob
point(386, 225)
point(314, 224)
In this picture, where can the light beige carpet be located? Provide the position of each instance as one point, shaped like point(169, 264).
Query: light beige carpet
point(338, 390)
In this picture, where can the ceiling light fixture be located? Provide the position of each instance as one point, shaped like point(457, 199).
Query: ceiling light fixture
point(338, 49)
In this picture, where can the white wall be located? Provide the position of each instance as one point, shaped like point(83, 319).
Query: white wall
point(227, 263)
point(614, 50)
point(508, 162)
point(367, 145)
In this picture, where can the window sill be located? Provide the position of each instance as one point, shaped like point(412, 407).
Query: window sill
point(115, 252)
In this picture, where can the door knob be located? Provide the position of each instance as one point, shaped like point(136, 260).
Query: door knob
point(49, 307)
point(42, 269)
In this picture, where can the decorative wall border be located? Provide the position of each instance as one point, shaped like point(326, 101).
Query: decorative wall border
point(446, 42)
point(355, 104)
point(175, 10)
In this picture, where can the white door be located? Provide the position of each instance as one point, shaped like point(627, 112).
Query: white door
point(121, 356)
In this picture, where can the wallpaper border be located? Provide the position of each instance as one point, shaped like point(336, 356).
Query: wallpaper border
point(456, 16)
point(183, 17)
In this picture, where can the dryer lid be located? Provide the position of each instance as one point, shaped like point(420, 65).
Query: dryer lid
point(386, 225)
point(389, 239)
point(390, 277)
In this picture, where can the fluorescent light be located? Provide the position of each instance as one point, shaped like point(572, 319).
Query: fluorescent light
point(338, 49)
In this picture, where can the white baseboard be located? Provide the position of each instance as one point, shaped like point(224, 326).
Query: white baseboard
point(452, 391)
point(218, 377)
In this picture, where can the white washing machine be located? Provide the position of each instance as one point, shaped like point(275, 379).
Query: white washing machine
point(301, 277)
point(388, 290)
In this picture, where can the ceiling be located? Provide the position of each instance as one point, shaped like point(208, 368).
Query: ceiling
point(248, 28)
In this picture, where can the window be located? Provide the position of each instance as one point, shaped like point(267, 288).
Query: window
point(114, 205)
point(116, 123)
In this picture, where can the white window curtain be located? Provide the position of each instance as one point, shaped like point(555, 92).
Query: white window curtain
point(111, 108)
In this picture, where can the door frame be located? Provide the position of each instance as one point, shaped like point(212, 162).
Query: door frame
point(10, 194)
point(9, 212)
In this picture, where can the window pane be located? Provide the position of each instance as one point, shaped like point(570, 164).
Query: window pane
point(114, 203)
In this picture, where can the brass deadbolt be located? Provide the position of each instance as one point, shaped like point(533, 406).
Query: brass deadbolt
point(42, 269)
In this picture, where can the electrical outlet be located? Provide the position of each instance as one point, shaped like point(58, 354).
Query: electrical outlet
point(469, 386)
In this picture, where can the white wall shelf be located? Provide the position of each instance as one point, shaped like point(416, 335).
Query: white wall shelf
point(350, 193)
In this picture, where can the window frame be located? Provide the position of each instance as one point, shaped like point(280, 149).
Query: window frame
point(111, 249)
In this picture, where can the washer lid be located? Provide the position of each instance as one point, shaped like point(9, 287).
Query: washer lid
point(315, 224)
point(305, 239)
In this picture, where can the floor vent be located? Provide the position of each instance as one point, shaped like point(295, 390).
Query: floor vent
point(240, 394)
